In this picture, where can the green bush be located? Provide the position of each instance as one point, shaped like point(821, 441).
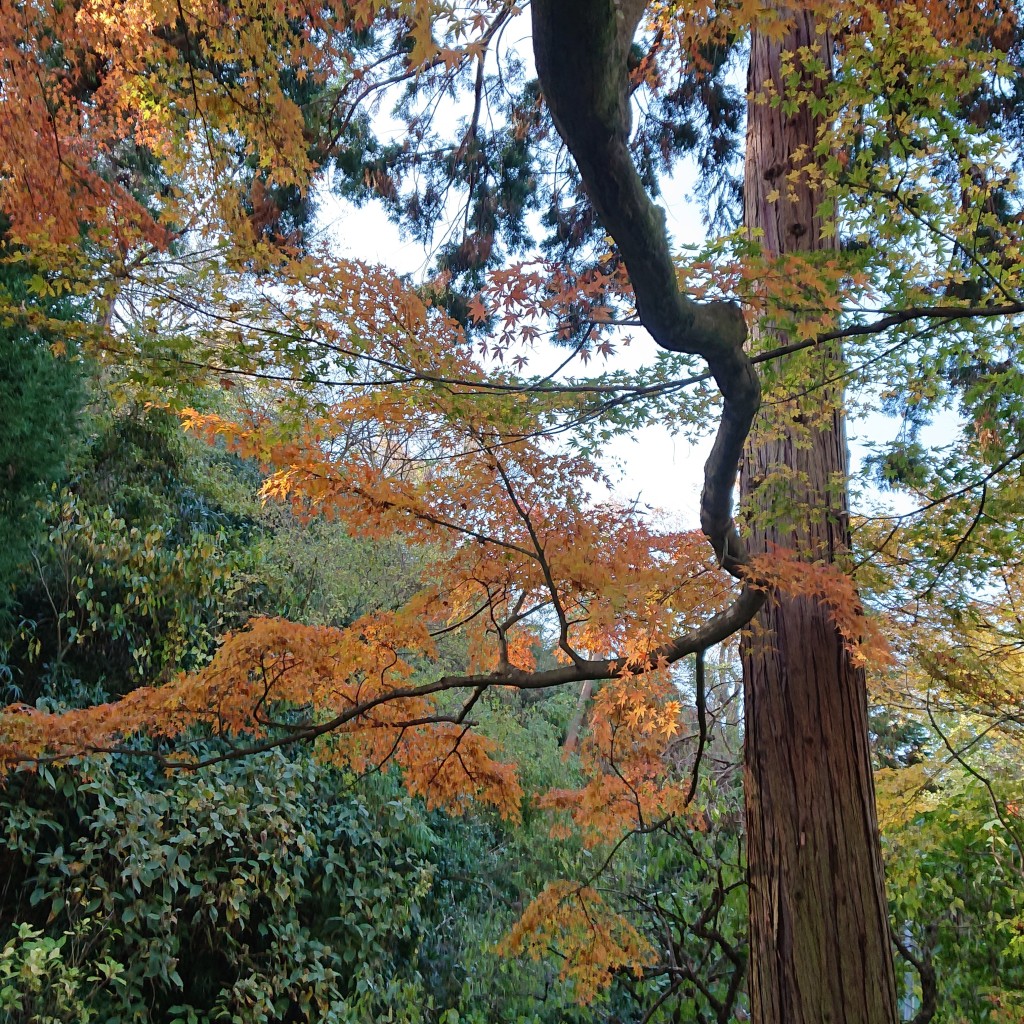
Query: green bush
point(253, 891)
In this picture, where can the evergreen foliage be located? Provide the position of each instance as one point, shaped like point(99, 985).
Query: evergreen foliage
point(40, 396)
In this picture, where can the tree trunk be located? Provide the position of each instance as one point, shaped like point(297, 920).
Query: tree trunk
point(572, 736)
point(819, 935)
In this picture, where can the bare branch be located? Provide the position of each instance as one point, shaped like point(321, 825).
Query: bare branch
point(702, 722)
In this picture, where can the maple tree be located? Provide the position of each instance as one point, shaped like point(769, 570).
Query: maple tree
point(880, 121)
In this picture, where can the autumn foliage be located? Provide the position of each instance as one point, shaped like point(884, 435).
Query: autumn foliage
point(154, 157)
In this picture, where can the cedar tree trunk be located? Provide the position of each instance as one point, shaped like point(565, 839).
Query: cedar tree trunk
point(819, 934)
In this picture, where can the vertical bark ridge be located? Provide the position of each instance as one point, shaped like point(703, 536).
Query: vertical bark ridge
point(818, 912)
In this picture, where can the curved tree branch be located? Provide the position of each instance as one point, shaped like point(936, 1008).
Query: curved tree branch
point(581, 48)
point(926, 971)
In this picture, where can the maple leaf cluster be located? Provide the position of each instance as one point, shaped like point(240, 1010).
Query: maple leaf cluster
point(207, 89)
point(451, 459)
point(594, 940)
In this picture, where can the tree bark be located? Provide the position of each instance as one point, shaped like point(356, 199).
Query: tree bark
point(819, 933)
point(572, 735)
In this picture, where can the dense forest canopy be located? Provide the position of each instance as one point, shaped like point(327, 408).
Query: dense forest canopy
point(278, 513)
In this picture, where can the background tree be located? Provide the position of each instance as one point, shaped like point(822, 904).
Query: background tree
point(41, 394)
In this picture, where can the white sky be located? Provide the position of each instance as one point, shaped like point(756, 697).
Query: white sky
point(651, 466)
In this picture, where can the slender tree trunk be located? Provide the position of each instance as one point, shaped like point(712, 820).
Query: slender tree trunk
point(572, 736)
point(819, 936)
